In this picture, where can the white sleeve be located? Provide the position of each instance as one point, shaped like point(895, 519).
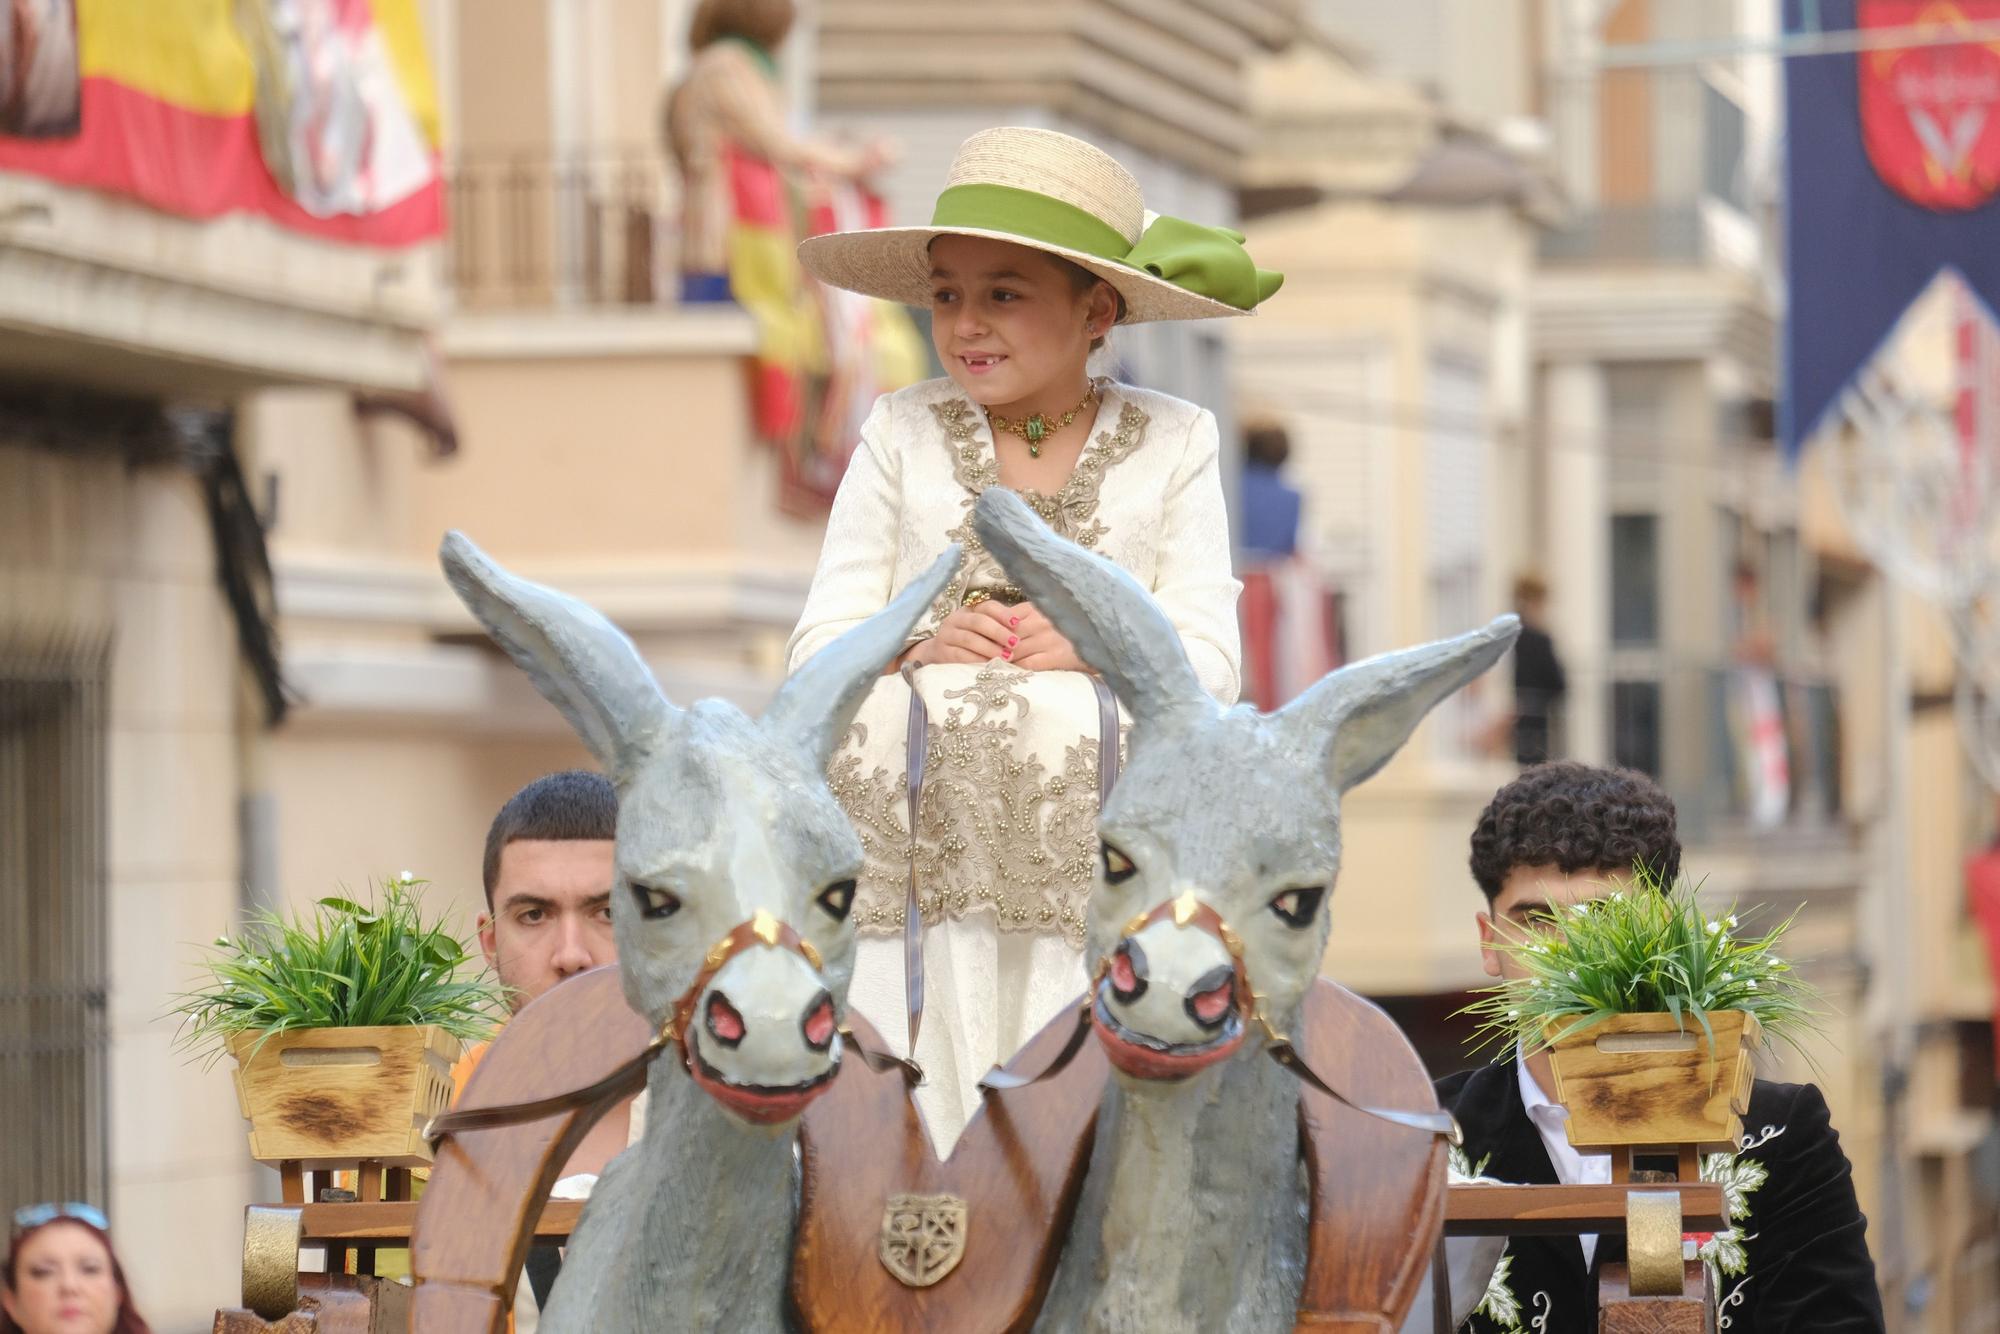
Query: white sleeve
point(1192, 582)
point(857, 562)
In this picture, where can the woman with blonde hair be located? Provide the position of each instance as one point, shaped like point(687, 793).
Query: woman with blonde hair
point(1038, 246)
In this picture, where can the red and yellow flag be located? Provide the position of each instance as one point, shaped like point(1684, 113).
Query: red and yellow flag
point(318, 114)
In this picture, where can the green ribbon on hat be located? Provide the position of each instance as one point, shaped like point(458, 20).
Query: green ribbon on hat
point(1207, 261)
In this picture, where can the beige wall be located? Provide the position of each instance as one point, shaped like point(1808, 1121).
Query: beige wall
point(359, 803)
point(94, 545)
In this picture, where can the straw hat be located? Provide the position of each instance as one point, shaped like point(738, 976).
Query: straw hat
point(1067, 198)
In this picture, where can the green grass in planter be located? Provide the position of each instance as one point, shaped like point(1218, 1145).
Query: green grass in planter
point(340, 965)
point(1647, 949)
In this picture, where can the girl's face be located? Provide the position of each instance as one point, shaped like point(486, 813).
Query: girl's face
point(63, 1283)
point(1009, 324)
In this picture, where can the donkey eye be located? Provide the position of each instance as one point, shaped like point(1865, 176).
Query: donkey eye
point(1118, 868)
point(1297, 907)
point(656, 903)
point(838, 899)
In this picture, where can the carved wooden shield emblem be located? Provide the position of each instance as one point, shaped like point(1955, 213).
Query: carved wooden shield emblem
point(923, 1237)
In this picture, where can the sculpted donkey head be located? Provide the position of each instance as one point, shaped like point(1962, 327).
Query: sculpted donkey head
point(1221, 842)
point(735, 865)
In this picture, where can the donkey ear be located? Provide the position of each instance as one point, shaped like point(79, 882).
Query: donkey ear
point(1114, 624)
point(817, 702)
point(1361, 715)
point(581, 663)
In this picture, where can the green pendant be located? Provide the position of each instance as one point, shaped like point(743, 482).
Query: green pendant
point(1036, 429)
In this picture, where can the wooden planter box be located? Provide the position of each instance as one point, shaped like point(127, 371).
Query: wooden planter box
point(331, 1097)
point(1641, 1079)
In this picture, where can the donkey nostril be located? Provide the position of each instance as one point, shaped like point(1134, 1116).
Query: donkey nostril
point(818, 1026)
point(1128, 972)
point(1212, 998)
point(725, 1025)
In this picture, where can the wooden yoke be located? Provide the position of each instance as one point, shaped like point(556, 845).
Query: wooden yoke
point(1378, 1190)
point(487, 1187)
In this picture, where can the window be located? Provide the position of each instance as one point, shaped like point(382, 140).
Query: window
point(1635, 580)
point(1635, 726)
point(52, 939)
point(1723, 137)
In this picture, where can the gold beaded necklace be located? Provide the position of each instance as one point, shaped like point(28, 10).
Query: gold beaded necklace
point(1038, 427)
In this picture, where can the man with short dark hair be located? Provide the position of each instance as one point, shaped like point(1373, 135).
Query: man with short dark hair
point(548, 873)
point(1796, 1257)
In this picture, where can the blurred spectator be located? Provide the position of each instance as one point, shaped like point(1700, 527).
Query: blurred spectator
point(1270, 504)
point(1539, 680)
point(549, 871)
point(1291, 622)
point(726, 128)
point(62, 1277)
point(40, 86)
point(1755, 706)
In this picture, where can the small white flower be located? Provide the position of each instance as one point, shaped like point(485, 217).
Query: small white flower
point(1513, 1014)
point(1752, 984)
point(1732, 921)
point(1729, 977)
point(1573, 976)
point(1714, 926)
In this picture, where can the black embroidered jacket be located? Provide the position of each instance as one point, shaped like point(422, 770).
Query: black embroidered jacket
point(1795, 1262)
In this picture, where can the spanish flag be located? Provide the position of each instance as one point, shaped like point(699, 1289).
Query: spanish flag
point(318, 114)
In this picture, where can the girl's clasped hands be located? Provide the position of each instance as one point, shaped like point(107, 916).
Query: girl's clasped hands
point(1016, 633)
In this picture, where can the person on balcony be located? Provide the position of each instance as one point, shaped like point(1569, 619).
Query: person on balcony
point(1039, 244)
point(1539, 680)
point(750, 189)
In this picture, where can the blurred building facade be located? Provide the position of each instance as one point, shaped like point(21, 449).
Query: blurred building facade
point(1528, 324)
point(132, 344)
point(1544, 286)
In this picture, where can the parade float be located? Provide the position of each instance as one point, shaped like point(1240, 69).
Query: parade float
point(1213, 1136)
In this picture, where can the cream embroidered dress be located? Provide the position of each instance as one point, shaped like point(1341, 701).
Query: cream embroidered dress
point(1006, 843)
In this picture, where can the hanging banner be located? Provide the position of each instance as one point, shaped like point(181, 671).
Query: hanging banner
point(318, 114)
point(1892, 172)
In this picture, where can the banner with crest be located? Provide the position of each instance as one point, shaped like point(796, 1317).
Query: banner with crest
point(1892, 171)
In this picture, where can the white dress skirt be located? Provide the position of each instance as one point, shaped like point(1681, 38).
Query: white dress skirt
point(1006, 855)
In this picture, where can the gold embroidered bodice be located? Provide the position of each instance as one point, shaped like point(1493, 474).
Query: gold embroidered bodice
point(1007, 821)
point(1071, 512)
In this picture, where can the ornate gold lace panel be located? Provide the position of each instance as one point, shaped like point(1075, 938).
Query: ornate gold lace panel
point(1071, 512)
point(996, 829)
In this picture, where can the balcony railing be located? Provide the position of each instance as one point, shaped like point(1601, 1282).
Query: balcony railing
point(534, 231)
point(1738, 748)
point(1647, 233)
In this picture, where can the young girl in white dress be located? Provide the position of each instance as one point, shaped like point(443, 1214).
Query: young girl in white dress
point(1039, 244)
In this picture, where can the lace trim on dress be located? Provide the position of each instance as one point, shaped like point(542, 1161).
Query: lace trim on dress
point(1071, 512)
point(995, 829)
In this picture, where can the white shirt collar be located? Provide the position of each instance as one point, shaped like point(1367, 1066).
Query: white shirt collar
point(1550, 1120)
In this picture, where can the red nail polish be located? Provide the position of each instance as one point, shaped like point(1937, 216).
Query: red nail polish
point(1013, 640)
point(1007, 653)
point(1014, 623)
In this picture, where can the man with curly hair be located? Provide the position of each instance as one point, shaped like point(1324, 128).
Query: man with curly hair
point(1795, 1258)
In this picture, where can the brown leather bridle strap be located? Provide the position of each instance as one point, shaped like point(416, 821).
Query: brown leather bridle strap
point(1187, 910)
point(623, 1082)
point(761, 929)
point(1433, 1123)
point(629, 1078)
point(916, 756)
